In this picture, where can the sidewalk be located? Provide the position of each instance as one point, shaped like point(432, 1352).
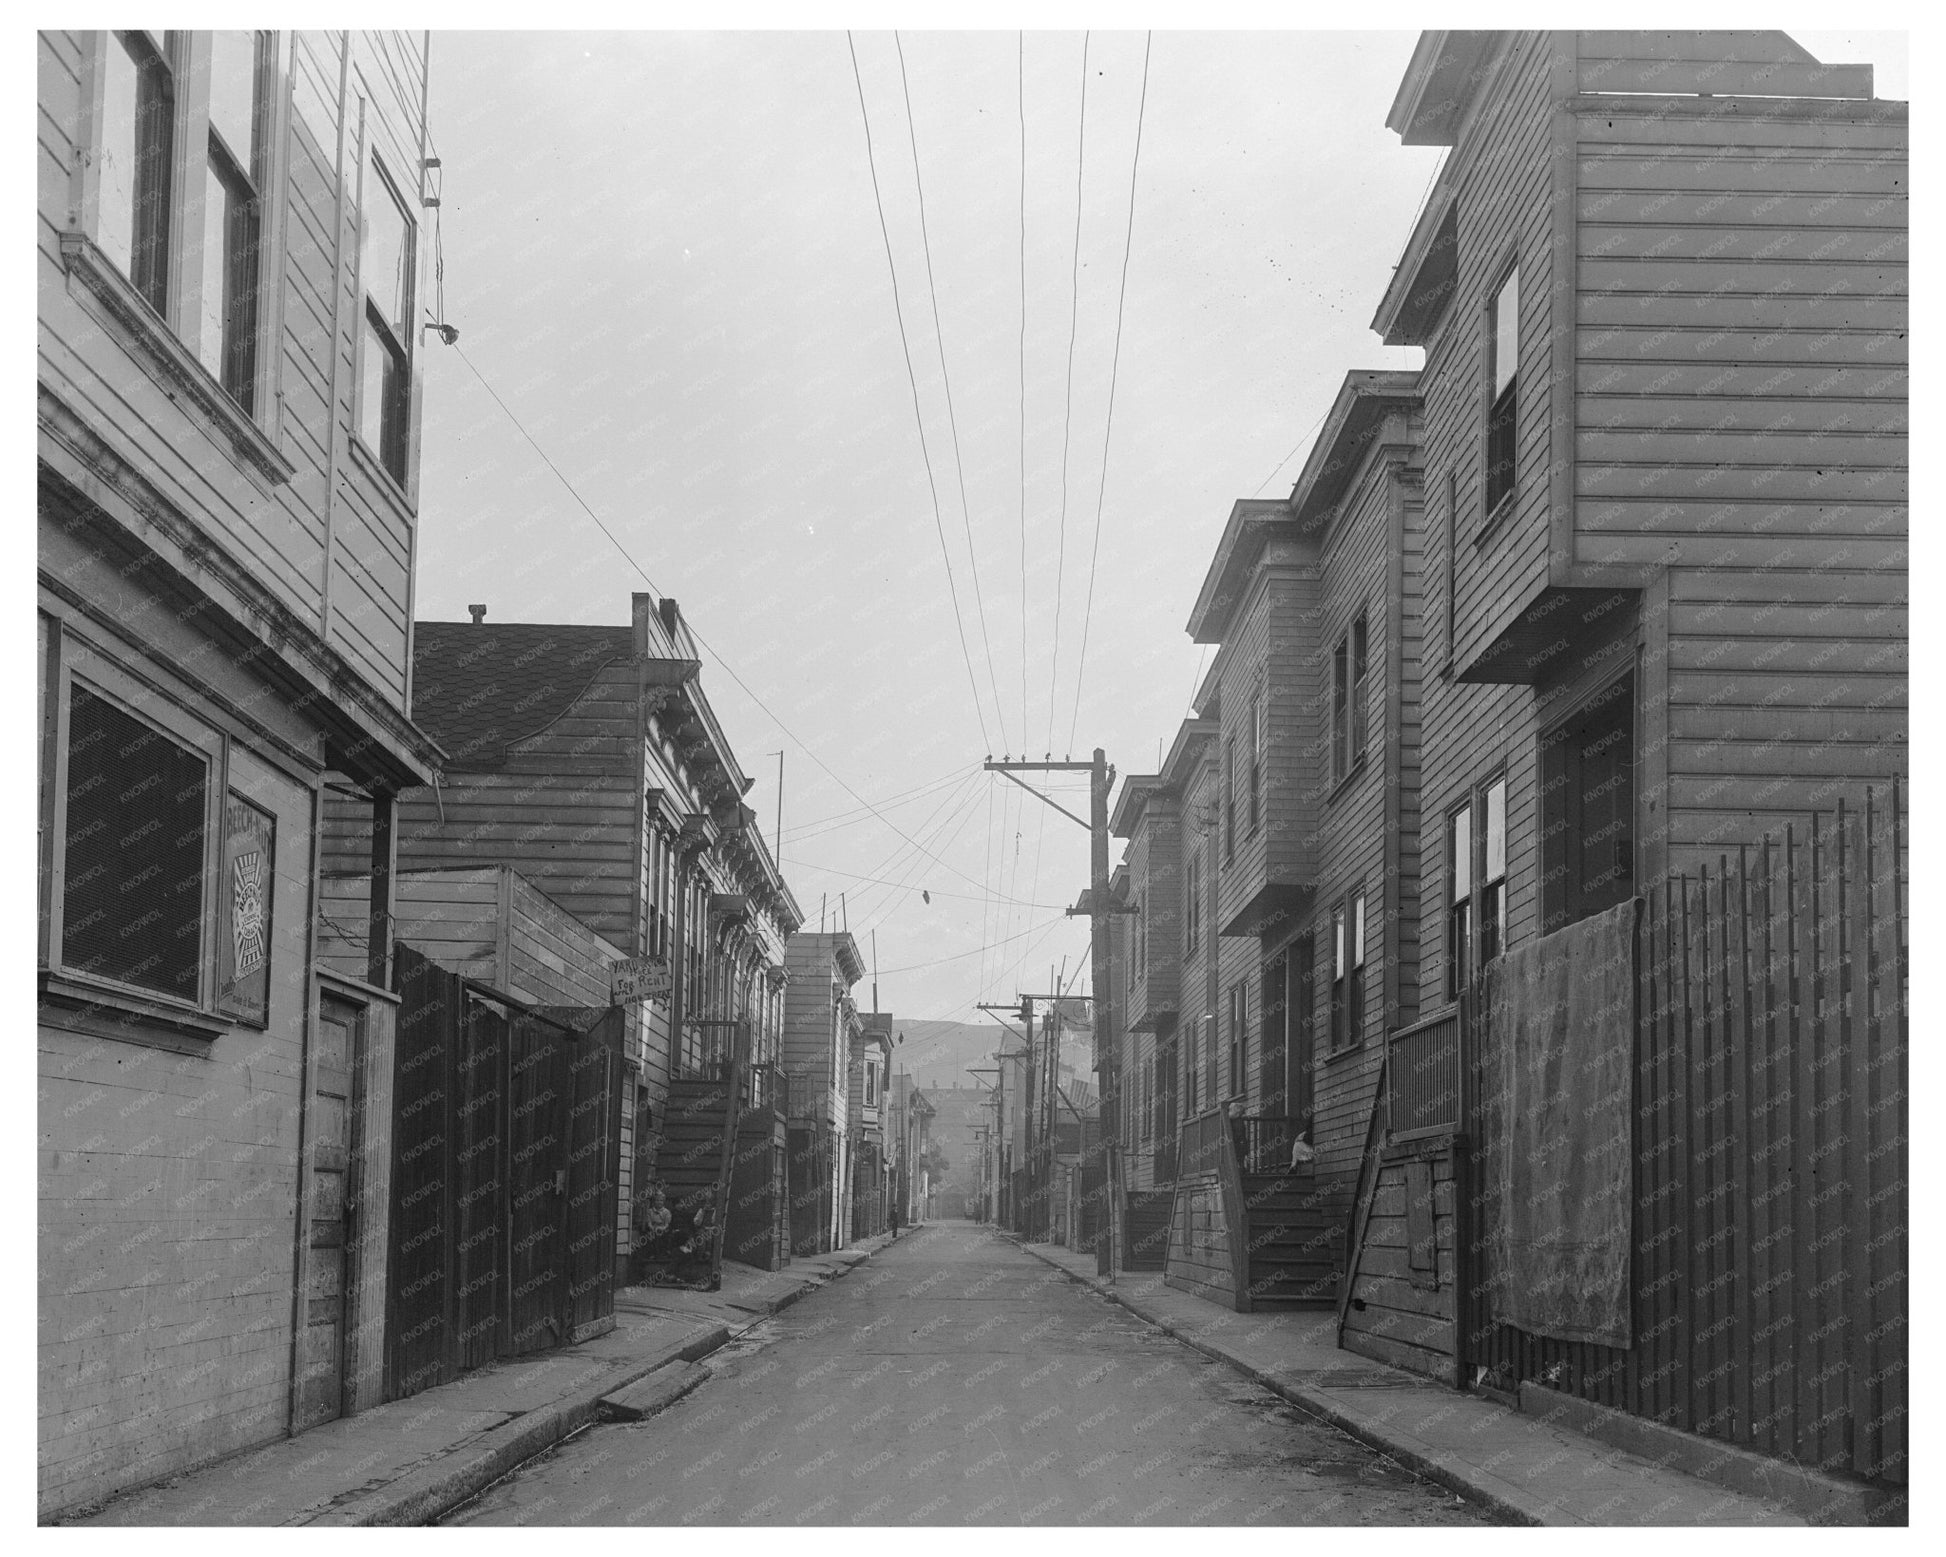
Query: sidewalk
point(410, 1461)
point(1522, 1467)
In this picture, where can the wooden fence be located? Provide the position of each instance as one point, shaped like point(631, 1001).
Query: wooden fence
point(506, 1142)
point(1769, 1301)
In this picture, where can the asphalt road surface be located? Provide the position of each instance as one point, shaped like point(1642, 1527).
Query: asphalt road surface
point(955, 1380)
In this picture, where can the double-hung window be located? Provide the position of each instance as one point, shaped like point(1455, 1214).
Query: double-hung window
point(135, 159)
point(1256, 757)
point(1503, 380)
point(1193, 918)
point(233, 207)
point(1459, 898)
point(1476, 883)
point(1493, 868)
point(1229, 800)
point(1348, 699)
point(1235, 1047)
point(1348, 971)
point(387, 243)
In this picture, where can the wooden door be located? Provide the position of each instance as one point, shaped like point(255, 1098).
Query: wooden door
point(1273, 1064)
point(334, 1103)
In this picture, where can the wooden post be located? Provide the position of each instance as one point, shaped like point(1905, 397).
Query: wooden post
point(385, 857)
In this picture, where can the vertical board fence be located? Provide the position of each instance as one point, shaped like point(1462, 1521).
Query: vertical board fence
point(506, 1136)
point(1769, 1286)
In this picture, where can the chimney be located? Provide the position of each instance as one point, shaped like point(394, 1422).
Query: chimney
point(479, 614)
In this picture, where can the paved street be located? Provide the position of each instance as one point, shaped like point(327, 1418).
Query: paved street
point(959, 1381)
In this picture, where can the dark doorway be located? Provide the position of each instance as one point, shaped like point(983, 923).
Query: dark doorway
point(1588, 808)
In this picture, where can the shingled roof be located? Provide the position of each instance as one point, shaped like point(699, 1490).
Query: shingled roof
point(478, 689)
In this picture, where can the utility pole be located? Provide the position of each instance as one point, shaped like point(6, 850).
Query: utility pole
point(1108, 1057)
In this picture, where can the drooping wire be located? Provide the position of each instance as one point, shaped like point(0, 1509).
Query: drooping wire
point(918, 417)
point(1020, 108)
point(701, 642)
point(946, 379)
point(1074, 325)
point(1114, 371)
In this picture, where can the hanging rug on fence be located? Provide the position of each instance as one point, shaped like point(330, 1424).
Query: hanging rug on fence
point(1555, 1103)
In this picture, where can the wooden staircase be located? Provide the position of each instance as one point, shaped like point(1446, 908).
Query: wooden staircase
point(1296, 1247)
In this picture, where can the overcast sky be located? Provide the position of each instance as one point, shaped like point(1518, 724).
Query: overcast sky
point(663, 252)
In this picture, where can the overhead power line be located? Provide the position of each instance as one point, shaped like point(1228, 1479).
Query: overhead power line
point(952, 418)
point(1067, 418)
point(701, 642)
point(1114, 372)
point(918, 417)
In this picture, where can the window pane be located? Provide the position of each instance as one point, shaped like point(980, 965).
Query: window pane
point(1460, 854)
point(133, 870)
point(385, 253)
point(1358, 931)
point(233, 95)
point(1506, 333)
point(116, 159)
point(1337, 943)
point(1496, 826)
point(371, 389)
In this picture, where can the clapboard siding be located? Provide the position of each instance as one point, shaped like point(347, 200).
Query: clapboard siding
point(281, 531)
point(1502, 181)
point(1355, 576)
point(572, 836)
point(1692, 233)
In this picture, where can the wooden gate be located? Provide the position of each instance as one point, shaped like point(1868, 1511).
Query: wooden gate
point(1769, 1291)
point(506, 1142)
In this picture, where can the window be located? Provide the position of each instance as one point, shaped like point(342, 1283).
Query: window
point(1348, 971)
point(1256, 756)
point(135, 161)
point(386, 245)
point(1192, 1067)
point(871, 1083)
point(1235, 1047)
point(1229, 800)
point(1588, 809)
point(233, 211)
point(1348, 700)
point(1459, 898)
point(1193, 919)
point(137, 809)
point(1452, 554)
point(1503, 377)
point(1493, 868)
point(1339, 985)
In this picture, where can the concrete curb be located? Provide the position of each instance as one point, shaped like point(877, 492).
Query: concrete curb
point(1821, 1499)
point(1498, 1496)
point(423, 1495)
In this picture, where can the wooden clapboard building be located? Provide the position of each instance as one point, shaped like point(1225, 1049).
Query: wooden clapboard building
point(1660, 286)
point(821, 1027)
point(1290, 922)
point(589, 760)
point(230, 241)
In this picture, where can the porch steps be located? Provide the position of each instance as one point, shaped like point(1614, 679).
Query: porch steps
point(1297, 1245)
point(692, 1142)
